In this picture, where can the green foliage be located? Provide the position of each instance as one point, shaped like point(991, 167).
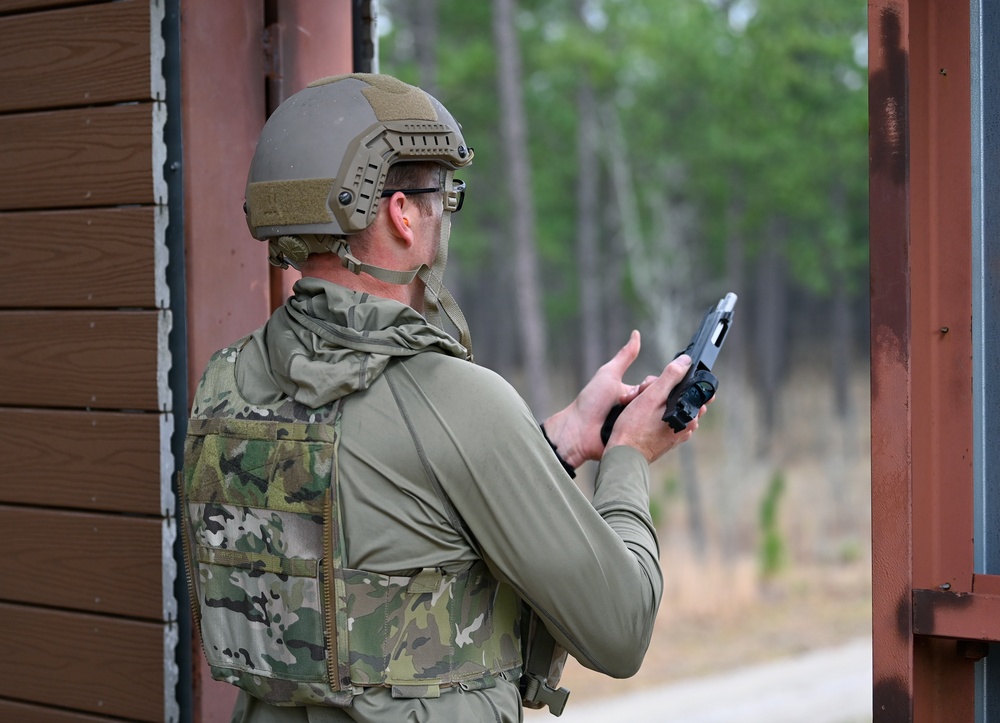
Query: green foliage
point(655, 511)
point(671, 487)
point(850, 550)
point(772, 545)
point(749, 111)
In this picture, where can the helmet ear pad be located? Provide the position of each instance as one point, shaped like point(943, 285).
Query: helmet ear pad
point(285, 251)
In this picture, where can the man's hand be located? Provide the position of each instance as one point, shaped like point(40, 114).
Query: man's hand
point(576, 430)
point(640, 424)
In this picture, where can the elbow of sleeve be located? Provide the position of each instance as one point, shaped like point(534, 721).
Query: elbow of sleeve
point(625, 639)
point(621, 655)
point(624, 663)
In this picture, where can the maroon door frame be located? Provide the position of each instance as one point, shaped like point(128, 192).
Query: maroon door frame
point(226, 71)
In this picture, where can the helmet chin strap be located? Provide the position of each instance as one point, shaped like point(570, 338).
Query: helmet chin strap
point(437, 298)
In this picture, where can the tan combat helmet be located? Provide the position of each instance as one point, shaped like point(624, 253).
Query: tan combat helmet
point(321, 162)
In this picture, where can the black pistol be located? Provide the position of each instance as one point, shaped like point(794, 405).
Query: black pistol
point(699, 384)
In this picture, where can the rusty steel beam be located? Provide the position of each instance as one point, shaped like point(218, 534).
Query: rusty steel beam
point(223, 111)
point(308, 41)
point(922, 487)
point(940, 156)
point(941, 340)
point(892, 628)
point(941, 302)
point(961, 615)
point(226, 270)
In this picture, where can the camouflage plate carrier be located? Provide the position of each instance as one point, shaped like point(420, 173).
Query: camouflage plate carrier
point(278, 612)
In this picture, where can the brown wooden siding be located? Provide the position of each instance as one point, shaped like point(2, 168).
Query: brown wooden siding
point(100, 563)
point(86, 509)
point(95, 359)
point(26, 713)
point(109, 150)
point(84, 460)
point(15, 5)
point(76, 56)
point(96, 258)
point(93, 663)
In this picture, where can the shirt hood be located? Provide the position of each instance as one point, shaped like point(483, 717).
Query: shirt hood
point(328, 341)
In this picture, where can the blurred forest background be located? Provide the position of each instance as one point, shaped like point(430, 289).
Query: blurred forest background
point(636, 160)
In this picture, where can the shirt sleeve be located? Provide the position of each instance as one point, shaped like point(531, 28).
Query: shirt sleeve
point(589, 568)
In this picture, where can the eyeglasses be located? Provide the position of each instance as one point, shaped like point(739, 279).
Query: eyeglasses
point(453, 199)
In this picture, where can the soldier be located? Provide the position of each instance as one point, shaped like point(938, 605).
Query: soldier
point(371, 518)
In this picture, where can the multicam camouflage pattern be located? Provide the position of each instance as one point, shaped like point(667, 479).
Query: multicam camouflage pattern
point(263, 533)
point(430, 628)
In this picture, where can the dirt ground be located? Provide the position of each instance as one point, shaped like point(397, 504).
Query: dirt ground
point(801, 610)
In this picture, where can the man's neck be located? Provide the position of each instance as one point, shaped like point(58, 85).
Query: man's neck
point(328, 268)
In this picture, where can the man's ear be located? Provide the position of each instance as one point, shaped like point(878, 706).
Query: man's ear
point(400, 212)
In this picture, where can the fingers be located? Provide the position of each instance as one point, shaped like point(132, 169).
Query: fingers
point(659, 386)
point(673, 373)
point(634, 391)
point(680, 364)
point(629, 394)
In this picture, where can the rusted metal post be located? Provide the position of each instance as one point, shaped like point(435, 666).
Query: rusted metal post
point(922, 491)
point(892, 625)
point(309, 40)
point(986, 318)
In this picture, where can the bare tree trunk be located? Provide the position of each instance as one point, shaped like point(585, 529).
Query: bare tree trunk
point(661, 272)
point(513, 122)
point(592, 327)
point(482, 293)
point(842, 333)
point(657, 270)
point(842, 450)
point(618, 314)
point(841, 328)
point(734, 393)
point(692, 499)
point(425, 27)
point(771, 337)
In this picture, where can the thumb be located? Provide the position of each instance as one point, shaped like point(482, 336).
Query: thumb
point(626, 355)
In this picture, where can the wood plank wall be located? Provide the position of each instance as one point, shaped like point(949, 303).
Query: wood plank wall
point(86, 509)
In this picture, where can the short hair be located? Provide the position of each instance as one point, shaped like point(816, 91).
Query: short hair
point(415, 174)
point(408, 174)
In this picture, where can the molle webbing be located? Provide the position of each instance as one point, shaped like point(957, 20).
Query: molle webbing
point(263, 532)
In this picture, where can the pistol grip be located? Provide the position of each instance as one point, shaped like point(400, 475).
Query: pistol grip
point(609, 422)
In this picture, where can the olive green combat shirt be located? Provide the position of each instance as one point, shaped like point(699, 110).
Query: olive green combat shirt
point(589, 568)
